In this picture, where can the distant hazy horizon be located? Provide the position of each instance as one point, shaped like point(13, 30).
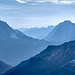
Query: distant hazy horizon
point(35, 26)
point(38, 13)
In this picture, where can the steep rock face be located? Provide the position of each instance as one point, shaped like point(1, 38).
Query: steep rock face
point(63, 32)
point(4, 67)
point(15, 46)
point(54, 60)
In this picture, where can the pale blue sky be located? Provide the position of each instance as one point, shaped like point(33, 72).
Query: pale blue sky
point(36, 13)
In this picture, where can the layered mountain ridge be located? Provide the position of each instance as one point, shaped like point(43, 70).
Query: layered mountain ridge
point(38, 33)
point(4, 67)
point(63, 32)
point(14, 45)
point(54, 60)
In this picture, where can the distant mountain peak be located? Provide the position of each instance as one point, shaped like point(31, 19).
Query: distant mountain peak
point(5, 29)
point(63, 32)
point(2, 23)
point(66, 22)
point(34, 32)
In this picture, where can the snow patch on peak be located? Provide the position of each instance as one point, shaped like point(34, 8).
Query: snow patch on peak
point(14, 36)
point(73, 62)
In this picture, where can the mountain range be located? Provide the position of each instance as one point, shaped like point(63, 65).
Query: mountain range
point(16, 46)
point(63, 32)
point(4, 67)
point(54, 60)
point(38, 33)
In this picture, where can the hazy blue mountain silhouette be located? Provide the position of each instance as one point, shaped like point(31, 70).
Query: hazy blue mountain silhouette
point(38, 33)
point(4, 67)
point(15, 46)
point(54, 60)
point(63, 32)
